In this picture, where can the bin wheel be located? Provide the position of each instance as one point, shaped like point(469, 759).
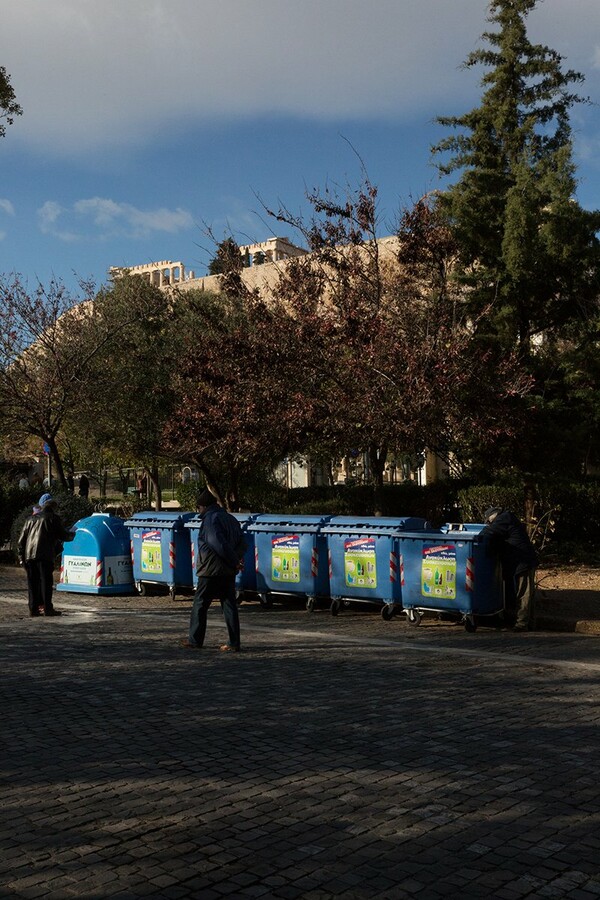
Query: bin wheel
point(141, 589)
point(414, 617)
point(172, 593)
point(335, 607)
point(346, 604)
point(387, 612)
point(470, 626)
point(265, 601)
point(310, 604)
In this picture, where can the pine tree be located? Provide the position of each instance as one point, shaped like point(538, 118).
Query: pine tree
point(528, 249)
point(226, 259)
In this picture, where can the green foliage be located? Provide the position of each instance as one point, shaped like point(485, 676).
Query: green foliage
point(566, 515)
point(435, 502)
point(9, 108)
point(12, 501)
point(126, 395)
point(227, 258)
point(187, 495)
point(528, 251)
point(473, 501)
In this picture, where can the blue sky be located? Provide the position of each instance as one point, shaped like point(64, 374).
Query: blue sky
point(145, 120)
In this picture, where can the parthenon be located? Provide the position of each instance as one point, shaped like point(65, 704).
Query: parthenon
point(162, 274)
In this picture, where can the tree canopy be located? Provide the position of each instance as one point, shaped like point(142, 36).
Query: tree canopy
point(527, 248)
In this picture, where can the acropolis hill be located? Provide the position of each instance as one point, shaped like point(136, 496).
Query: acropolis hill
point(263, 262)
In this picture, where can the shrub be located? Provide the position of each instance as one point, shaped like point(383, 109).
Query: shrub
point(473, 501)
point(435, 502)
point(566, 516)
point(12, 501)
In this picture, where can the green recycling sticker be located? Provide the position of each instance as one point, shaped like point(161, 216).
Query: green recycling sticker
point(360, 564)
point(438, 571)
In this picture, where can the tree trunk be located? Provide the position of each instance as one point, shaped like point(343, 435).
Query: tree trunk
point(153, 476)
point(55, 455)
point(211, 481)
point(377, 458)
point(233, 494)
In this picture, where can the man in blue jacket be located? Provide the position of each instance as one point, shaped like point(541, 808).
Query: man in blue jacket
point(519, 562)
point(221, 547)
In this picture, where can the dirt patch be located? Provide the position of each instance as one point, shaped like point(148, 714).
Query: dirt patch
point(569, 592)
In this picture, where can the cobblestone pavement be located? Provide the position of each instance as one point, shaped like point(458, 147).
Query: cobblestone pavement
point(335, 757)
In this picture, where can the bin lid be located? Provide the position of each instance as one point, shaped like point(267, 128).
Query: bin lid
point(100, 522)
point(287, 523)
point(243, 518)
point(246, 518)
point(384, 525)
point(158, 519)
point(461, 527)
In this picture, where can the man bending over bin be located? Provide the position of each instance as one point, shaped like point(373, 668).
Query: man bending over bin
point(519, 562)
point(38, 545)
point(221, 547)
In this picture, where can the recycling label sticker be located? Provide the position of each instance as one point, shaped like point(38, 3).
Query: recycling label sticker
point(438, 571)
point(360, 565)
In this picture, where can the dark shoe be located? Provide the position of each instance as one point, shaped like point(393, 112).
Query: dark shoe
point(187, 645)
point(53, 612)
point(227, 648)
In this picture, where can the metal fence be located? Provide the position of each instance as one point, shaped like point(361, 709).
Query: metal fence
point(115, 483)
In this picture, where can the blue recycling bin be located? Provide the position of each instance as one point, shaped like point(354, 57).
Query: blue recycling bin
point(160, 550)
point(98, 559)
point(365, 562)
point(452, 571)
point(290, 557)
point(245, 581)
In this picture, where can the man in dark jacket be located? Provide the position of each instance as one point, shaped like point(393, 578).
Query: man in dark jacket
point(519, 562)
point(221, 548)
point(38, 545)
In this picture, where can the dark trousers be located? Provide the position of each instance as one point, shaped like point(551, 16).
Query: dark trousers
point(40, 583)
point(209, 589)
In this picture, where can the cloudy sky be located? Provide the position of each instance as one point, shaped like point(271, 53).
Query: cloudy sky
point(144, 121)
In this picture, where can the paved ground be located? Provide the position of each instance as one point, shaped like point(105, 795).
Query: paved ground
point(335, 757)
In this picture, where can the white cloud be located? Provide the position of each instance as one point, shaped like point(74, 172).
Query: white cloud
point(93, 75)
point(107, 215)
point(98, 217)
point(7, 207)
point(48, 216)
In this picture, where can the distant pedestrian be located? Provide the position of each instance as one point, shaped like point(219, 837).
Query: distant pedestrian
point(38, 545)
point(70, 483)
point(519, 562)
point(221, 547)
point(24, 483)
point(142, 485)
point(84, 485)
